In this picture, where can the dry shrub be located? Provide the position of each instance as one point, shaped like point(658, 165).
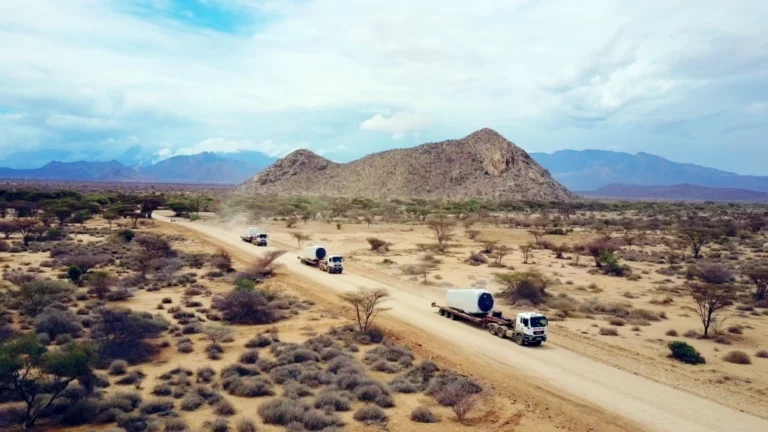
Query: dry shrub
point(371, 415)
point(224, 408)
point(762, 354)
point(672, 333)
point(56, 322)
point(245, 307)
point(618, 322)
point(609, 331)
point(448, 388)
point(246, 425)
point(738, 357)
point(249, 386)
point(263, 267)
point(422, 414)
point(294, 390)
point(157, 406)
point(282, 411)
point(192, 402)
point(335, 400)
point(530, 286)
point(218, 425)
point(175, 425)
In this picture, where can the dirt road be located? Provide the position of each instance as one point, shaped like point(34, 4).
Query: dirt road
point(651, 405)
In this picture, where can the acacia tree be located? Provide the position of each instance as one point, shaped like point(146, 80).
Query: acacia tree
point(443, 229)
point(579, 249)
point(759, 277)
point(600, 246)
point(38, 377)
point(300, 237)
point(538, 235)
point(151, 203)
point(499, 254)
point(7, 229)
point(367, 305)
point(25, 227)
point(110, 217)
point(698, 236)
point(217, 334)
point(527, 250)
point(710, 299)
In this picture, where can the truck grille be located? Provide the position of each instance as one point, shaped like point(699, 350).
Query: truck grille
point(538, 333)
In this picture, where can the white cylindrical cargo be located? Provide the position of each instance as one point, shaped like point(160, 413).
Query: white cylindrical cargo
point(314, 252)
point(471, 301)
point(253, 232)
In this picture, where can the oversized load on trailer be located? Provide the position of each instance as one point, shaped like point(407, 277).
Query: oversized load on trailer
point(253, 231)
point(313, 253)
point(471, 301)
point(318, 256)
point(476, 306)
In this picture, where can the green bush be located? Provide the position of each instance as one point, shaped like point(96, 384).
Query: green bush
point(75, 274)
point(126, 234)
point(685, 353)
point(245, 285)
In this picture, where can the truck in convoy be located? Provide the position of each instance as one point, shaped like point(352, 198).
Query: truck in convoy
point(317, 256)
point(256, 237)
point(476, 306)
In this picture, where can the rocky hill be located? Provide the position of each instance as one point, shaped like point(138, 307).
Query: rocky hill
point(481, 165)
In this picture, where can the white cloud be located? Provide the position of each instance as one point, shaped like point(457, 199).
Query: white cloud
point(398, 124)
point(66, 121)
point(756, 108)
point(91, 66)
point(223, 145)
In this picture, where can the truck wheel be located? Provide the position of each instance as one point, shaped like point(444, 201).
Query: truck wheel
point(501, 331)
point(519, 339)
point(492, 329)
point(440, 311)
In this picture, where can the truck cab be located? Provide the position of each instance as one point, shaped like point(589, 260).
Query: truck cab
point(530, 328)
point(261, 239)
point(333, 264)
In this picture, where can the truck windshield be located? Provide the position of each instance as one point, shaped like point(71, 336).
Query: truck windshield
point(337, 259)
point(538, 322)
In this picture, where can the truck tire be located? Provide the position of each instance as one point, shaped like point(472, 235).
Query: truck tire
point(501, 332)
point(519, 339)
point(492, 329)
point(441, 312)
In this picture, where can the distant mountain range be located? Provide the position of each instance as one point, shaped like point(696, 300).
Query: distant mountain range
point(680, 192)
point(588, 170)
point(200, 168)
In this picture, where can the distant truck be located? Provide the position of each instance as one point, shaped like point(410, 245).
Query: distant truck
point(317, 256)
point(256, 237)
point(476, 306)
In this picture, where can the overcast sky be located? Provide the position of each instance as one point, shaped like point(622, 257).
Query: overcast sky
point(687, 80)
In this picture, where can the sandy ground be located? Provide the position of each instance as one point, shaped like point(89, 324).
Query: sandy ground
point(570, 381)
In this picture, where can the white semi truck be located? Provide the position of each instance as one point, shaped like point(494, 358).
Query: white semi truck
point(476, 306)
point(256, 237)
point(317, 256)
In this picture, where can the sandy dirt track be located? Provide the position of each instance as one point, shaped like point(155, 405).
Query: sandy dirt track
point(641, 402)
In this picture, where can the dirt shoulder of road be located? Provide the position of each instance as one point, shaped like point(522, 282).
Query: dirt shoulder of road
point(539, 408)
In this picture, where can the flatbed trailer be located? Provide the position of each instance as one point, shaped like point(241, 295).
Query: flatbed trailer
point(494, 322)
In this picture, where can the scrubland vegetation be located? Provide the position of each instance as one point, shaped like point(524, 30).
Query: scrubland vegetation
point(635, 275)
point(94, 295)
